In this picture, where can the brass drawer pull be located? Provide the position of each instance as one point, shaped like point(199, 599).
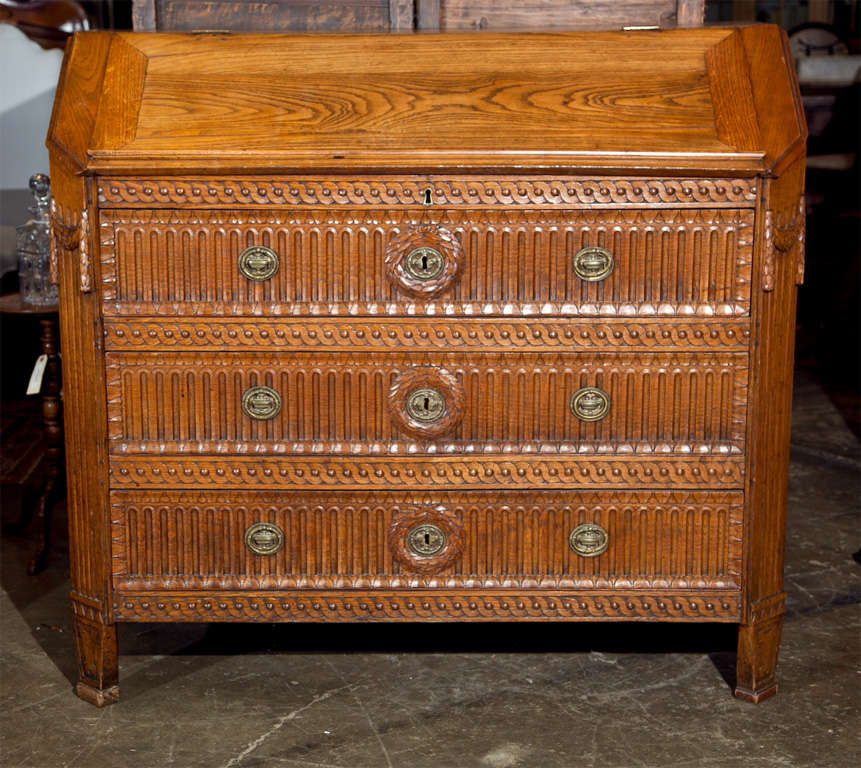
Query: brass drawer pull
point(424, 263)
point(593, 263)
point(257, 262)
point(590, 404)
point(589, 540)
point(264, 538)
point(426, 540)
point(426, 405)
point(261, 403)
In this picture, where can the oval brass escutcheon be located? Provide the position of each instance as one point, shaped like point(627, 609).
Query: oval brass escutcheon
point(257, 262)
point(590, 404)
point(264, 538)
point(589, 540)
point(426, 540)
point(261, 403)
point(424, 263)
point(425, 405)
point(593, 263)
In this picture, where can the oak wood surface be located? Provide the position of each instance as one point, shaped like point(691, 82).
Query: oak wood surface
point(513, 101)
point(508, 159)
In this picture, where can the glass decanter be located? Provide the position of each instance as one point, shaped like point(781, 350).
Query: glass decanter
point(34, 246)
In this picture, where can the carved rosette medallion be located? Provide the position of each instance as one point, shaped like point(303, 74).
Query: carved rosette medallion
point(424, 261)
point(425, 540)
point(426, 403)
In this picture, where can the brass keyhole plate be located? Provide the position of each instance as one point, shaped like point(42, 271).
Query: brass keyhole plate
point(590, 404)
point(426, 540)
point(257, 262)
point(424, 263)
point(589, 540)
point(593, 263)
point(261, 403)
point(425, 405)
point(264, 538)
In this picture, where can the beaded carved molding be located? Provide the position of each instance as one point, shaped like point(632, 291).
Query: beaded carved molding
point(393, 606)
point(443, 191)
point(438, 472)
point(487, 335)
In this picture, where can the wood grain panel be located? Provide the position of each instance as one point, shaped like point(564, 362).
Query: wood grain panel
point(563, 14)
point(172, 403)
point(687, 262)
point(196, 541)
point(274, 15)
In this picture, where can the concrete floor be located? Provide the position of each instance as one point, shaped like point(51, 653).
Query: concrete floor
point(452, 696)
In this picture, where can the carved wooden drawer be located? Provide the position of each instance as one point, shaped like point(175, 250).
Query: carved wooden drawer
point(549, 540)
point(499, 336)
point(687, 261)
point(391, 403)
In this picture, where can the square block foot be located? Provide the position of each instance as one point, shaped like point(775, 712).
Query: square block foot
point(754, 697)
point(101, 697)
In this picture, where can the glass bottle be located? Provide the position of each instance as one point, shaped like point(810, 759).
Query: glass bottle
point(34, 246)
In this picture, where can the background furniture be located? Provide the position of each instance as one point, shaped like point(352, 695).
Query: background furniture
point(52, 425)
point(409, 15)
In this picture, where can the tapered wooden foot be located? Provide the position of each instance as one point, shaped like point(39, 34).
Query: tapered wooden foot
point(98, 672)
point(756, 663)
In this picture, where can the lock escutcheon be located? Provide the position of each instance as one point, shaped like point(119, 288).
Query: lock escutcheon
point(593, 263)
point(424, 263)
point(425, 405)
point(257, 262)
point(264, 538)
point(426, 540)
point(590, 404)
point(589, 540)
point(261, 403)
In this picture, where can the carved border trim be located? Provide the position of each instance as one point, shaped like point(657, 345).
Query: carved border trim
point(393, 606)
point(428, 333)
point(466, 192)
point(438, 472)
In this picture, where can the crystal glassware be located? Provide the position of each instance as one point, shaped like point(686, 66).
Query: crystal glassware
point(34, 245)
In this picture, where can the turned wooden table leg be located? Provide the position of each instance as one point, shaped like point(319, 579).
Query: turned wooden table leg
point(53, 433)
point(756, 663)
point(96, 649)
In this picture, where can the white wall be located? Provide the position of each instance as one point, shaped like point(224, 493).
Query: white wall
point(28, 79)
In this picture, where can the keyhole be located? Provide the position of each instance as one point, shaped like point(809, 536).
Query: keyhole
point(427, 404)
point(424, 262)
point(427, 539)
point(427, 200)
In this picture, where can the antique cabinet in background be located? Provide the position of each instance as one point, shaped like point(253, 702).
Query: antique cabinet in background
point(369, 331)
point(409, 15)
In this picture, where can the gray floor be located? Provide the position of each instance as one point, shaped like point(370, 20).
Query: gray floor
point(458, 695)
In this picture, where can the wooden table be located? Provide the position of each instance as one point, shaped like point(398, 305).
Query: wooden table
point(52, 425)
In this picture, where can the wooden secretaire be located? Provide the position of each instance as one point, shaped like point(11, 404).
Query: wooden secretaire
point(428, 328)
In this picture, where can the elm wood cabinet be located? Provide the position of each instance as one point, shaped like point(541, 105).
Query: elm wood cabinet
point(377, 333)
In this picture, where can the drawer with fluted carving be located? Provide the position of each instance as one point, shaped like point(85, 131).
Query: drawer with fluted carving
point(611, 404)
point(397, 261)
point(472, 540)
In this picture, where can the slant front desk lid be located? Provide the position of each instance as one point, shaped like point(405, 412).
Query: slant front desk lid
point(701, 101)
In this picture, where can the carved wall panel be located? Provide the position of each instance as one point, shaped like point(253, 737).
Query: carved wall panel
point(332, 261)
point(195, 540)
point(659, 404)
